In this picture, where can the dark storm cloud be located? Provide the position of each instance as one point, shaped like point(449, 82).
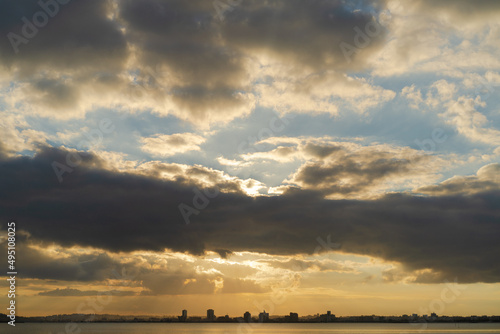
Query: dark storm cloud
point(41, 265)
point(306, 32)
point(486, 179)
point(54, 50)
point(204, 74)
point(456, 236)
point(328, 177)
point(359, 172)
point(181, 35)
point(76, 35)
point(186, 35)
point(190, 63)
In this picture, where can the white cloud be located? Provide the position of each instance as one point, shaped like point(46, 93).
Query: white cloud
point(471, 123)
point(324, 92)
point(168, 145)
point(486, 178)
point(414, 95)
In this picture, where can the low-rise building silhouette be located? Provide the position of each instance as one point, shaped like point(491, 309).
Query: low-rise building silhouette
point(293, 317)
point(328, 317)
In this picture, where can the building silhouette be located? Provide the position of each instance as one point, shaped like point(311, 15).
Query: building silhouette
point(184, 315)
point(293, 317)
point(247, 317)
point(328, 317)
point(263, 316)
point(211, 315)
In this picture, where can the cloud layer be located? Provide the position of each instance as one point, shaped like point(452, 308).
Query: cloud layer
point(142, 213)
point(179, 58)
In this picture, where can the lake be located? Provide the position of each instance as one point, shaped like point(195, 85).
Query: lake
point(323, 328)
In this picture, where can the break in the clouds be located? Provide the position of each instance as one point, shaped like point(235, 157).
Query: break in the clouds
point(211, 150)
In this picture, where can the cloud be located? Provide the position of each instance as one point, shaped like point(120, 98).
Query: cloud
point(369, 172)
point(280, 154)
point(471, 123)
point(178, 58)
point(68, 292)
point(168, 145)
point(463, 12)
point(79, 34)
point(177, 284)
point(312, 265)
point(237, 285)
point(41, 262)
point(413, 94)
point(198, 176)
point(453, 235)
point(486, 179)
point(18, 135)
point(308, 34)
point(423, 35)
point(324, 92)
point(350, 170)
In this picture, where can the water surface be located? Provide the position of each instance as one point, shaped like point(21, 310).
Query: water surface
point(164, 328)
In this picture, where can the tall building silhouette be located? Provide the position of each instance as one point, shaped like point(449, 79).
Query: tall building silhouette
point(184, 315)
point(210, 315)
point(247, 317)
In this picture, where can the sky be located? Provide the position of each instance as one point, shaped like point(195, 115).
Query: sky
point(292, 156)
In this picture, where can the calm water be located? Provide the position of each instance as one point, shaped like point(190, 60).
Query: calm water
point(149, 328)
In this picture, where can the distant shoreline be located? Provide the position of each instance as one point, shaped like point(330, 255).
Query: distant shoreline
point(235, 322)
point(107, 318)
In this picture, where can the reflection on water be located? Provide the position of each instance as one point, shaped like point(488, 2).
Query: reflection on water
point(164, 328)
